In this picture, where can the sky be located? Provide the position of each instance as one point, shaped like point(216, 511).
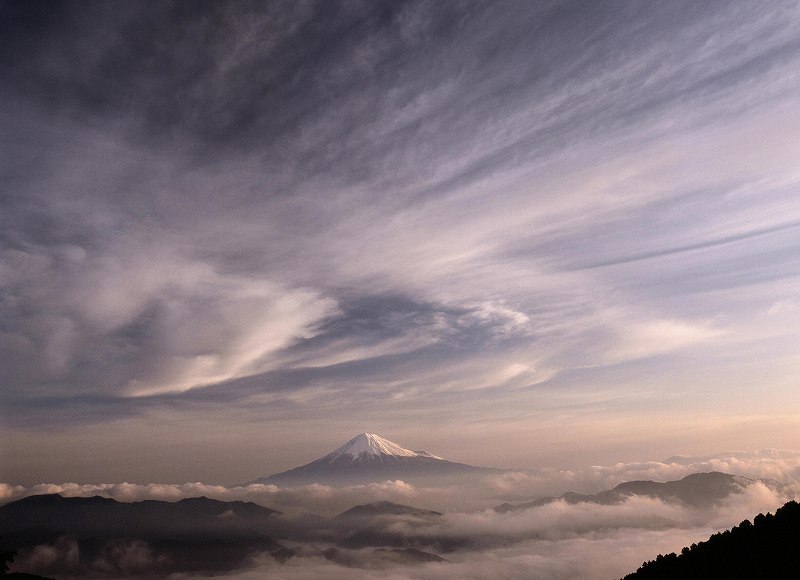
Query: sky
point(234, 235)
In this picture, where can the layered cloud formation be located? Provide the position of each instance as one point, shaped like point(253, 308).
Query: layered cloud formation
point(506, 217)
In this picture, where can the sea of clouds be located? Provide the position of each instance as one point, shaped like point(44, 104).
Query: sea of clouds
point(557, 540)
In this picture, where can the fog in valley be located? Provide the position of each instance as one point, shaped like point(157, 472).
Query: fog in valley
point(479, 529)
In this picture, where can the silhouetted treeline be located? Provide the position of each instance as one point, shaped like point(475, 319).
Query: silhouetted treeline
point(769, 547)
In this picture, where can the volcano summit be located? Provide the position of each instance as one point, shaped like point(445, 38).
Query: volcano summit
point(370, 458)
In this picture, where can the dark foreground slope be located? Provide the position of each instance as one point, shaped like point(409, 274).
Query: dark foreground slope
point(767, 548)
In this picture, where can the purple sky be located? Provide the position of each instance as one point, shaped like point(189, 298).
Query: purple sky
point(234, 235)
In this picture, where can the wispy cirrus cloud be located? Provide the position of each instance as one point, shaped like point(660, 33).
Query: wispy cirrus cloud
point(449, 211)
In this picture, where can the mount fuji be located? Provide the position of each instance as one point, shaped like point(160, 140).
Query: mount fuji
point(370, 458)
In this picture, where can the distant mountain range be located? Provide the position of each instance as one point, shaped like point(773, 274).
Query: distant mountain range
point(190, 535)
point(57, 536)
point(697, 489)
point(91, 515)
point(101, 537)
point(370, 458)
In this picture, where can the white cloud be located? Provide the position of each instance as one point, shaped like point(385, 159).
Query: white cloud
point(557, 541)
point(648, 338)
point(783, 308)
point(191, 324)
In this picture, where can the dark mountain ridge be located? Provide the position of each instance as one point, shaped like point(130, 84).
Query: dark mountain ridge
point(93, 515)
point(697, 489)
point(193, 534)
point(380, 508)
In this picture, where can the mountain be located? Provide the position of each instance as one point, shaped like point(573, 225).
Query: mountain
point(190, 535)
point(92, 515)
point(370, 458)
point(697, 489)
point(104, 538)
point(384, 508)
point(380, 557)
point(765, 548)
point(382, 525)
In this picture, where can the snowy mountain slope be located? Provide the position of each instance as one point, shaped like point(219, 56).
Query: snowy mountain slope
point(368, 445)
point(370, 458)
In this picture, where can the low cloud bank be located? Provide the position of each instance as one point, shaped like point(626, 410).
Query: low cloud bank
point(556, 541)
point(780, 465)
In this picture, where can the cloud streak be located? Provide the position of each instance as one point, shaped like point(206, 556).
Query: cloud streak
point(461, 213)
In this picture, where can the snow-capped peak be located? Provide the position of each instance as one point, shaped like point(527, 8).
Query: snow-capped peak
point(371, 444)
